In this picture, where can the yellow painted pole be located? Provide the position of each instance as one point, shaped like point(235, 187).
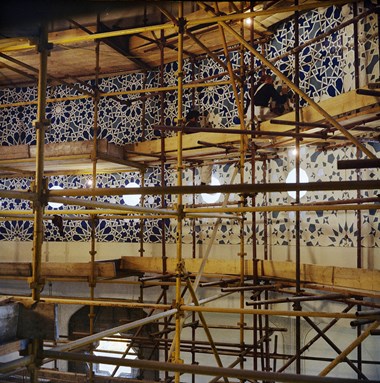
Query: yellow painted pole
point(92, 217)
point(109, 205)
point(48, 100)
point(73, 215)
point(267, 12)
point(119, 93)
point(96, 302)
point(16, 46)
point(349, 349)
point(90, 37)
point(243, 146)
point(40, 187)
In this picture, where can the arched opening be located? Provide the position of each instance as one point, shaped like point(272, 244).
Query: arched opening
point(130, 345)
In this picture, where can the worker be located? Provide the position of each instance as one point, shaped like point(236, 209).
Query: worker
point(264, 94)
point(205, 120)
point(286, 104)
point(206, 174)
point(205, 170)
point(192, 119)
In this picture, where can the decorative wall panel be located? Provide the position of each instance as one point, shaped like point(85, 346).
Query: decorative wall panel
point(326, 70)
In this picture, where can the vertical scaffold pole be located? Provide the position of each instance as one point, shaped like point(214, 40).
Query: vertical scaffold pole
point(359, 227)
point(36, 282)
point(359, 264)
point(142, 220)
point(253, 180)
point(297, 305)
point(178, 297)
point(243, 199)
point(163, 202)
point(93, 218)
point(243, 149)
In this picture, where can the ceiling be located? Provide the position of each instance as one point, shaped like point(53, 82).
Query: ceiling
point(71, 23)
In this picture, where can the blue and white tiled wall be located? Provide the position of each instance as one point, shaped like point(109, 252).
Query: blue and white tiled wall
point(330, 228)
point(327, 70)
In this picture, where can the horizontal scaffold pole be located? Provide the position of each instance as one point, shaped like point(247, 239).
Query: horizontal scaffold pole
point(245, 311)
point(119, 329)
point(80, 214)
point(197, 369)
point(235, 188)
point(107, 205)
point(91, 302)
point(264, 12)
point(198, 21)
point(246, 209)
point(18, 194)
point(119, 93)
point(191, 308)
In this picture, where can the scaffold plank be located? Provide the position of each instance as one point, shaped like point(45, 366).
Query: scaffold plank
point(361, 279)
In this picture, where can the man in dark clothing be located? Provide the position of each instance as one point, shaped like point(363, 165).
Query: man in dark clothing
point(265, 93)
point(285, 105)
point(192, 119)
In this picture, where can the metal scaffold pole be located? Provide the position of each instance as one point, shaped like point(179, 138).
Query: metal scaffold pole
point(255, 335)
point(297, 305)
point(255, 359)
point(178, 296)
point(163, 183)
point(93, 217)
point(243, 149)
point(40, 187)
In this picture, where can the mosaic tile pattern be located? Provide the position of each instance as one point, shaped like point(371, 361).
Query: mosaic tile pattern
point(218, 100)
point(16, 125)
point(15, 230)
point(327, 70)
point(320, 72)
point(333, 228)
point(318, 228)
point(367, 47)
point(18, 95)
point(70, 121)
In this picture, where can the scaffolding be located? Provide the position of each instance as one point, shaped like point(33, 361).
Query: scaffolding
point(255, 354)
